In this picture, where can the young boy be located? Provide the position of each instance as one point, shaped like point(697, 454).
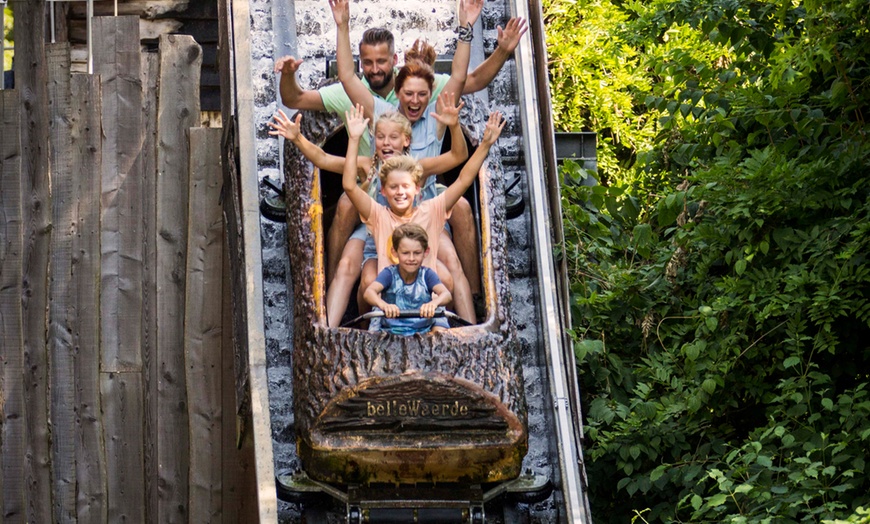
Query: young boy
point(409, 285)
point(400, 183)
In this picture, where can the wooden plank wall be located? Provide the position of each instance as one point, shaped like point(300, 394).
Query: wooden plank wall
point(117, 386)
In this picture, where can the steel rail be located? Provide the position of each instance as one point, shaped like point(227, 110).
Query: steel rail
point(531, 107)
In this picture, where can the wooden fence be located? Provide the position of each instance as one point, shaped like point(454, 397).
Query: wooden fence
point(117, 386)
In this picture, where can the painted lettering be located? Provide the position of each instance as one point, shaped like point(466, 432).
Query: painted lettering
point(415, 408)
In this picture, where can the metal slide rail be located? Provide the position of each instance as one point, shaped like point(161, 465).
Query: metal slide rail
point(570, 456)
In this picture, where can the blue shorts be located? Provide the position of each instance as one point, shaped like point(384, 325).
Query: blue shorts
point(369, 251)
point(359, 233)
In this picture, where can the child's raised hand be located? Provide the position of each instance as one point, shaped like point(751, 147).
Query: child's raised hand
point(447, 112)
point(493, 128)
point(285, 127)
point(391, 310)
point(356, 122)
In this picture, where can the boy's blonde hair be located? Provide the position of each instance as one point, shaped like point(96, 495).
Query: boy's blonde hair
point(411, 232)
point(401, 163)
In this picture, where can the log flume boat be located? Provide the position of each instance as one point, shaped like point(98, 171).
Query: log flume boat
point(376, 407)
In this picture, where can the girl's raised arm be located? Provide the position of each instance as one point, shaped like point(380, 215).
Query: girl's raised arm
point(356, 126)
point(290, 130)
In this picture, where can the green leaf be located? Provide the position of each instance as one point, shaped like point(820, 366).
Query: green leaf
point(791, 362)
point(712, 323)
point(709, 385)
point(717, 500)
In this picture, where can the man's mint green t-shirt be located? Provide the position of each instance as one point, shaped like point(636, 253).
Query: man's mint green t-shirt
point(335, 100)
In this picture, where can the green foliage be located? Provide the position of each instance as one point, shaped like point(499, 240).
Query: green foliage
point(720, 285)
point(7, 38)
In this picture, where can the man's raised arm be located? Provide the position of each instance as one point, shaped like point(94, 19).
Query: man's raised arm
point(292, 95)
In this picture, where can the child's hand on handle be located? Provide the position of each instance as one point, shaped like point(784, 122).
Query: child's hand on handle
point(285, 127)
point(356, 122)
point(427, 310)
point(390, 310)
point(447, 112)
point(493, 128)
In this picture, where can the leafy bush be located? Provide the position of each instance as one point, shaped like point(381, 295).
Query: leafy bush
point(720, 293)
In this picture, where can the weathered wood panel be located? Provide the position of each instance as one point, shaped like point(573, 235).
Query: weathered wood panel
point(232, 479)
point(150, 73)
point(122, 407)
point(12, 430)
point(60, 321)
point(31, 80)
point(86, 142)
point(117, 61)
point(177, 111)
point(203, 332)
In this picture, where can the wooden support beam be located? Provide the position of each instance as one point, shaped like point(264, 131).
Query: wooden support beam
point(117, 62)
point(203, 329)
point(12, 429)
point(61, 315)
point(177, 111)
point(150, 74)
point(86, 142)
point(31, 81)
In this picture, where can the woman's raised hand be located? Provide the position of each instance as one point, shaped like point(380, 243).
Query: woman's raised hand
point(285, 127)
point(469, 11)
point(447, 111)
point(493, 128)
point(356, 122)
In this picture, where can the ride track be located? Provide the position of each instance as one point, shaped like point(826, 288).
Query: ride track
point(546, 365)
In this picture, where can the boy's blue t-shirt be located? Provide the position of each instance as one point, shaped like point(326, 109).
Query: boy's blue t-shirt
point(407, 296)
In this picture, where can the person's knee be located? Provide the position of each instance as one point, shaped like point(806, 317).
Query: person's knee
point(462, 209)
point(345, 213)
point(347, 269)
point(447, 255)
point(446, 278)
point(451, 260)
point(369, 274)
